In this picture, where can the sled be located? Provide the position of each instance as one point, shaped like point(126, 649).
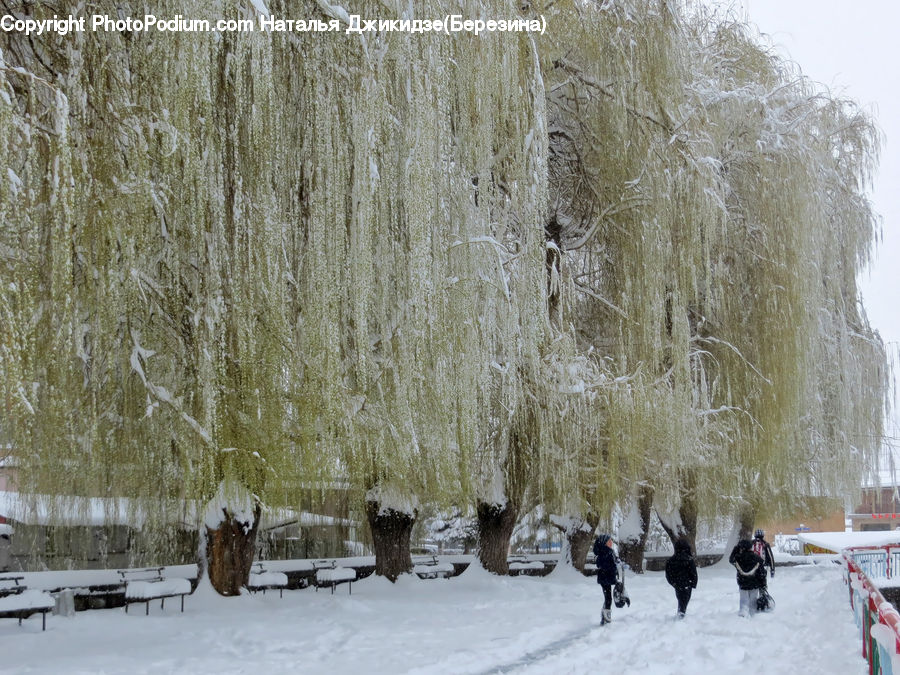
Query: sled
point(620, 596)
point(765, 602)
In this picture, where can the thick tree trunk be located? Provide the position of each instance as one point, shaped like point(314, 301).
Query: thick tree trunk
point(688, 529)
point(746, 518)
point(495, 526)
point(579, 533)
point(681, 531)
point(688, 508)
point(580, 542)
point(390, 536)
point(686, 526)
point(230, 549)
point(632, 551)
point(676, 530)
point(553, 231)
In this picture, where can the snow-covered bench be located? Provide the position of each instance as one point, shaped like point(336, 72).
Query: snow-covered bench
point(528, 567)
point(433, 569)
point(144, 585)
point(263, 580)
point(20, 602)
point(328, 575)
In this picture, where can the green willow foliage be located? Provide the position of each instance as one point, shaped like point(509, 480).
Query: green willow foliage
point(796, 165)
point(284, 259)
point(712, 206)
point(431, 267)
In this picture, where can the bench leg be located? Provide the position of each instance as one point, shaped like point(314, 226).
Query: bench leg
point(126, 607)
point(182, 604)
point(280, 592)
point(162, 603)
point(44, 620)
point(350, 588)
point(148, 608)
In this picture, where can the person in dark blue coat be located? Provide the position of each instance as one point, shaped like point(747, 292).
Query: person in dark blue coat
point(607, 569)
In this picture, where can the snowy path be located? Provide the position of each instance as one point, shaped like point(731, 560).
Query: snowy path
point(473, 624)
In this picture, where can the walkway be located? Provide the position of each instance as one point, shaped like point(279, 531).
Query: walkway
point(475, 623)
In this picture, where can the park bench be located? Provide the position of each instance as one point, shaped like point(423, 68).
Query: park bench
point(144, 585)
point(19, 602)
point(329, 575)
point(262, 580)
point(433, 569)
point(521, 565)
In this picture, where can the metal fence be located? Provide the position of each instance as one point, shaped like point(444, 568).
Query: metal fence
point(876, 618)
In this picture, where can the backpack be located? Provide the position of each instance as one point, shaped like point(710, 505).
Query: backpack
point(759, 548)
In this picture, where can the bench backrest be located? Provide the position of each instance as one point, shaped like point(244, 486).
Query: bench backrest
point(11, 585)
point(146, 574)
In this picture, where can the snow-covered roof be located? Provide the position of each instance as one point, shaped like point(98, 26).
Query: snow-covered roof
point(67, 510)
point(96, 511)
point(884, 478)
point(274, 518)
point(838, 541)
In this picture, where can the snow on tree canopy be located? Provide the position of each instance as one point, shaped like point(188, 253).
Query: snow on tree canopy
point(393, 499)
point(519, 268)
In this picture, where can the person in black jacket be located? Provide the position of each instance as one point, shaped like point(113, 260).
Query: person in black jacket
point(607, 569)
point(751, 575)
point(681, 573)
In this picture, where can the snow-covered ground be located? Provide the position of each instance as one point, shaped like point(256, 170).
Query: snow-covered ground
point(474, 623)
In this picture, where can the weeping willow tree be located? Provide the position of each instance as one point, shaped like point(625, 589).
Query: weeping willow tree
point(794, 353)
point(498, 270)
point(278, 260)
point(634, 215)
point(165, 293)
point(514, 330)
point(696, 188)
point(420, 234)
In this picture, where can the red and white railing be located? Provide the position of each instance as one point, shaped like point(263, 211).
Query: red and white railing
point(878, 621)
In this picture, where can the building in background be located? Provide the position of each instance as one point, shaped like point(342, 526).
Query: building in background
point(823, 514)
point(7, 472)
point(879, 507)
